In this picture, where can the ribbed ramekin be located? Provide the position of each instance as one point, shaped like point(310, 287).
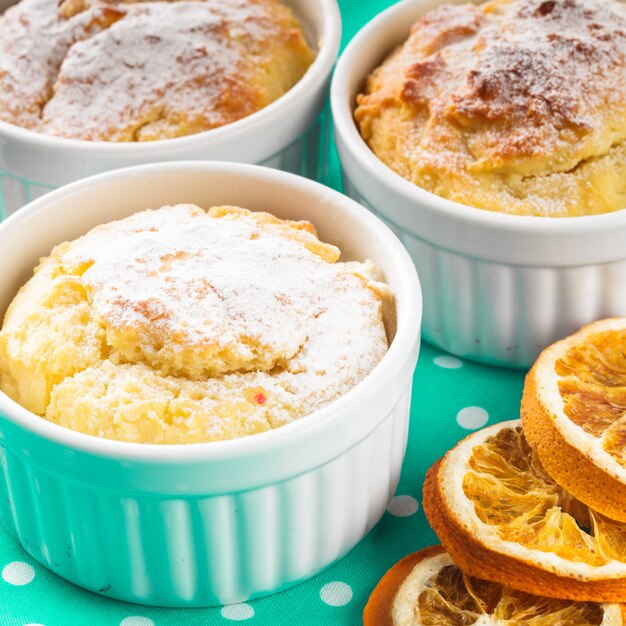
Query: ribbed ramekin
point(289, 134)
point(213, 523)
point(497, 288)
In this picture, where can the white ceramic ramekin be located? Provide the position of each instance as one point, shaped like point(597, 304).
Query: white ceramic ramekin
point(497, 288)
point(289, 134)
point(214, 523)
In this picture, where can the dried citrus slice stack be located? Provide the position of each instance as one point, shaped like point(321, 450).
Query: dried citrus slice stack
point(428, 589)
point(531, 513)
point(502, 518)
point(574, 414)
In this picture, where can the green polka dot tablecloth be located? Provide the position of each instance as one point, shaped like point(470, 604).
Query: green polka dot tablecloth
point(450, 398)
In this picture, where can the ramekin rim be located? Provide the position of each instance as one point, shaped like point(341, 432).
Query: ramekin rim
point(346, 127)
point(406, 338)
point(317, 72)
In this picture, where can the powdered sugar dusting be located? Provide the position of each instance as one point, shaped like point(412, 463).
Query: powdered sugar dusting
point(192, 295)
point(539, 67)
point(131, 71)
point(179, 57)
point(510, 105)
point(28, 70)
point(552, 60)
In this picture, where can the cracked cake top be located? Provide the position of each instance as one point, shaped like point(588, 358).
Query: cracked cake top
point(181, 325)
point(140, 71)
point(514, 105)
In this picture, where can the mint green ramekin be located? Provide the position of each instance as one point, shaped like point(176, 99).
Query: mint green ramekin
point(222, 522)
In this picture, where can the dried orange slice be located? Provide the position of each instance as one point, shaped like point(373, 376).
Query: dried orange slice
point(427, 589)
point(574, 414)
point(502, 518)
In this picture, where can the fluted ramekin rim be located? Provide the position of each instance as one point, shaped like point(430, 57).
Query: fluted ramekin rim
point(317, 73)
point(346, 129)
point(392, 364)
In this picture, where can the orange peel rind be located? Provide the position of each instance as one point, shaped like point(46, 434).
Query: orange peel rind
point(502, 518)
point(574, 414)
point(427, 588)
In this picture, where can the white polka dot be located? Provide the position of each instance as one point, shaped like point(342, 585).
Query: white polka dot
point(403, 506)
point(18, 573)
point(136, 620)
point(448, 362)
point(472, 417)
point(336, 593)
point(237, 612)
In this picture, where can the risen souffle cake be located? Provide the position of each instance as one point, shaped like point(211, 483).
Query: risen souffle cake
point(516, 106)
point(180, 326)
point(109, 70)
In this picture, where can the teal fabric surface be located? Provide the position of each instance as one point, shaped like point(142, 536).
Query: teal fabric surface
point(450, 398)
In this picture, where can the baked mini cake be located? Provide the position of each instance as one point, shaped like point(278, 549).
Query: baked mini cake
point(108, 70)
point(179, 325)
point(516, 106)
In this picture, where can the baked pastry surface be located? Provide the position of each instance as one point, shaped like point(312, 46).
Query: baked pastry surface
point(109, 70)
point(516, 106)
point(180, 325)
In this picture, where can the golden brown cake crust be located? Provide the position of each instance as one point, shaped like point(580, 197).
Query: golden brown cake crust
point(514, 105)
point(121, 71)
